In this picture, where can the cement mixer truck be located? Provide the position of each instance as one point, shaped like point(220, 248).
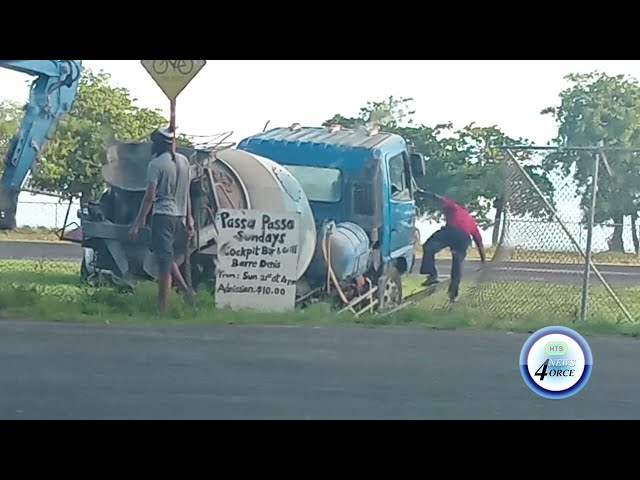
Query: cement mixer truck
point(353, 189)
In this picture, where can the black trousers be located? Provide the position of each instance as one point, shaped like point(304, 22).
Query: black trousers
point(458, 242)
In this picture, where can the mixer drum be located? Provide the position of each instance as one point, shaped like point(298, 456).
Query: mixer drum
point(272, 188)
point(349, 251)
point(248, 181)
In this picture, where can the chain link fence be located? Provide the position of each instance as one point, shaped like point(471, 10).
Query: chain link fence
point(539, 268)
point(34, 212)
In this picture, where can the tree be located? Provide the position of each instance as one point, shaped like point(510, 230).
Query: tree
point(389, 114)
point(464, 165)
point(394, 115)
point(72, 161)
point(601, 108)
point(485, 185)
point(11, 114)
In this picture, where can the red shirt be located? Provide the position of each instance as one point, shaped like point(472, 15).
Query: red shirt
point(458, 216)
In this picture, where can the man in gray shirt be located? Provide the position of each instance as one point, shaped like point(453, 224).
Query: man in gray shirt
point(168, 183)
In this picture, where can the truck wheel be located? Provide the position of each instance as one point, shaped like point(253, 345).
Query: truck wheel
point(390, 288)
point(202, 270)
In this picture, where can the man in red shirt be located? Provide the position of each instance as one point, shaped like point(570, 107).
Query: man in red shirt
point(460, 228)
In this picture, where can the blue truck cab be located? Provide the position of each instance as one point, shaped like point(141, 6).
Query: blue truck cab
point(358, 176)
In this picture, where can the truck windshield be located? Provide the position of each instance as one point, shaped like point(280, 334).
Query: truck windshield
point(320, 184)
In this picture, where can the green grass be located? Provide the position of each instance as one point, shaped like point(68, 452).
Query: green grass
point(45, 290)
point(527, 306)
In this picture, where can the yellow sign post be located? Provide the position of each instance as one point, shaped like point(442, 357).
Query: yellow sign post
point(172, 76)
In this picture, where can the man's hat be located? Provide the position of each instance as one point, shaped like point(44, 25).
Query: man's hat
point(162, 135)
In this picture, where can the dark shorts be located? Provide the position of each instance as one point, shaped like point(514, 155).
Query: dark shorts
point(168, 237)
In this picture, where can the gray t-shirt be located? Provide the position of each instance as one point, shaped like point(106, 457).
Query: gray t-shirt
point(172, 180)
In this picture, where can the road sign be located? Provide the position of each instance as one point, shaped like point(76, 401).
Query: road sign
point(172, 76)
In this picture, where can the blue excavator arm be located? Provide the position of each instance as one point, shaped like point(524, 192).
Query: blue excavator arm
point(52, 94)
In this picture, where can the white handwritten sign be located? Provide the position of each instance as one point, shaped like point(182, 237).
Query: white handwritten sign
point(257, 260)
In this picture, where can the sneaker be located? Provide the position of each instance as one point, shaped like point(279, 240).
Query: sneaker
point(430, 280)
point(453, 296)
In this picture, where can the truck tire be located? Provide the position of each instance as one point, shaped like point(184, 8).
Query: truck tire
point(202, 270)
point(390, 288)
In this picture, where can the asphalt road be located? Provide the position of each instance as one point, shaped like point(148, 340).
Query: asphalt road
point(72, 371)
point(40, 250)
point(616, 275)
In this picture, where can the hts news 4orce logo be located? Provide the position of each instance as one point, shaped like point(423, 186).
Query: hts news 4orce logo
point(556, 362)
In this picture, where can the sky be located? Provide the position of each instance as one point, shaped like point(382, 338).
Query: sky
point(242, 95)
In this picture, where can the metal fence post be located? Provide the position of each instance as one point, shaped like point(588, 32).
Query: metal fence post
point(587, 253)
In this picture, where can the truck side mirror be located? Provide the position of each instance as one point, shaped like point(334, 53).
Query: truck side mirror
point(418, 166)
